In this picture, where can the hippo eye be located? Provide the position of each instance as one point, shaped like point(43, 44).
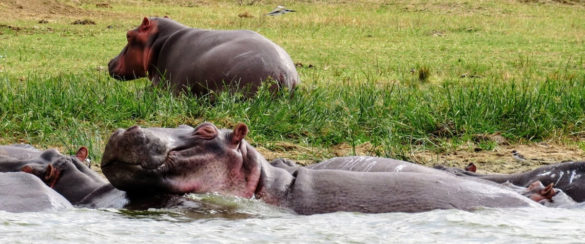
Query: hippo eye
point(206, 132)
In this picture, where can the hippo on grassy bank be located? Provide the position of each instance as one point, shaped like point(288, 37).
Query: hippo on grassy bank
point(202, 60)
point(22, 192)
point(70, 177)
point(207, 159)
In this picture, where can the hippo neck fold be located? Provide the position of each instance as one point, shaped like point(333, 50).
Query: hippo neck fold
point(263, 181)
point(165, 29)
point(274, 184)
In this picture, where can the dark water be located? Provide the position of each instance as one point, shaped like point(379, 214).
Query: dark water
point(249, 220)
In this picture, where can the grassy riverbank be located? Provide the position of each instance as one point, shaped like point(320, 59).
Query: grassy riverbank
point(398, 79)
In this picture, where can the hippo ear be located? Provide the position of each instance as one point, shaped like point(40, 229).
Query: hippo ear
point(549, 191)
point(145, 24)
point(471, 167)
point(82, 153)
point(239, 133)
point(51, 175)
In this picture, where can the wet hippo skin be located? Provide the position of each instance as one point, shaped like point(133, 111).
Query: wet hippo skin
point(567, 176)
point(72, 179)
point(360, 164)
point(201, 61)
point(208, 159)
point(22, 192)
point(67, 175)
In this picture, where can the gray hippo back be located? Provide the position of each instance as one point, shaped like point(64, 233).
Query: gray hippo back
point(207, 159)
point(372, 164)
point(19, 152)
point(322, 191)
point(22, 192)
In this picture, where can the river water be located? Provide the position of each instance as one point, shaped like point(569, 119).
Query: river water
point(254, 221)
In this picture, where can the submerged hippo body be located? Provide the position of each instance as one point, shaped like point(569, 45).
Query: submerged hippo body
point(22, 192)
point(202, 60)
point(72, 180)
point(567, 176)
point(207, 159)
point(67, 175)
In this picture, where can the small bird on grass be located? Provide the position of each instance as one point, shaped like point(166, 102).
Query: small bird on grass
point(280, 10)
point(519, 157)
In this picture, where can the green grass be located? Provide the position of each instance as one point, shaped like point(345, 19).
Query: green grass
point(402, 75)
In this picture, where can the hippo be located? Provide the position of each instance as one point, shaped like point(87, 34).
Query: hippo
point(564, 177)
point(207, 159)
point(546, 195)
point(19, 151)
point(69, 177)
point(22, 192)
point(359, 164)
point(567, 176)
point(202, 61)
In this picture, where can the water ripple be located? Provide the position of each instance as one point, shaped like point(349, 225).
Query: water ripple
point(169, 226)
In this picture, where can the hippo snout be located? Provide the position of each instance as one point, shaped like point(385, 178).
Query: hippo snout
point(111, 66)
point(112, 69)
point(136, 146)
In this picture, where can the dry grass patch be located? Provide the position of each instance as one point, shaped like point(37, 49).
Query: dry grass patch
point(501, 160)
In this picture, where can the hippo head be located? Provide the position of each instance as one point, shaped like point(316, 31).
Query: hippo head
point(182, 160)
point(133, 61)
point(68, 175)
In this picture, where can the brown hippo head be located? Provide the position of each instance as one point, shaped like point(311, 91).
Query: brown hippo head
point(182, 160)
point(133, 61)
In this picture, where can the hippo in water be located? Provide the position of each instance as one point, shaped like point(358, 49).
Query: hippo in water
point(70, 177)
point(567, 176)
point(202, 60)
point(207, 159)
point(21, 192)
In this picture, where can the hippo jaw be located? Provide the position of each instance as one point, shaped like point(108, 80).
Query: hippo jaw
point(180, 160)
